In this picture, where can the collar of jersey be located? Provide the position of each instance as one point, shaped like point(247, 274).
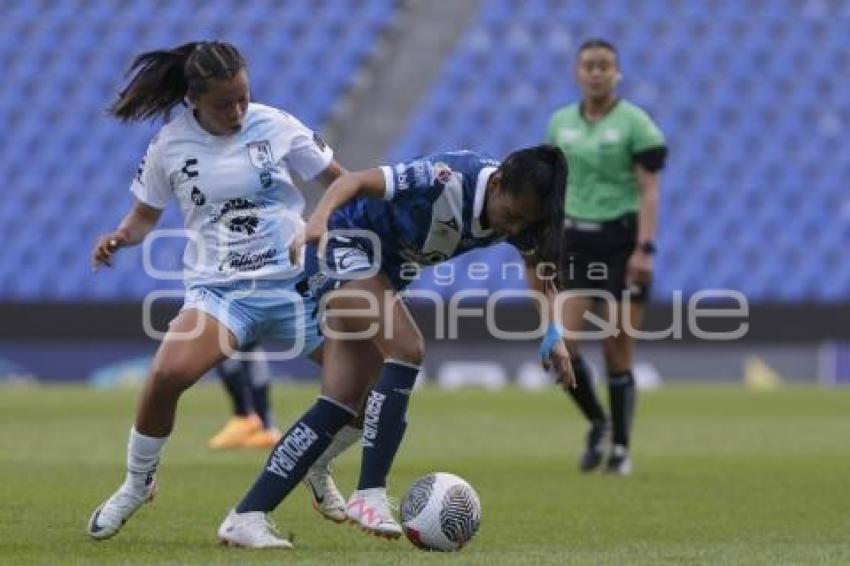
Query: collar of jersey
point(478, 202)
point(608, 114)
point(198, 129)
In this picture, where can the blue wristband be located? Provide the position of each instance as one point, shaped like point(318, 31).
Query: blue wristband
point(553, 334)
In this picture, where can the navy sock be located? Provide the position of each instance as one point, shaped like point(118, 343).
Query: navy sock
point(294, 454)
point(584, 393)
point(621, 387)
point(385, 422)
point(260, 400)
point(238, 386)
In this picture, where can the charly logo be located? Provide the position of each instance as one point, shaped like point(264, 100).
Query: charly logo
point(198, 197)
point(260, 153)
point(239, 215)
point(235, 261)
point(186, 173)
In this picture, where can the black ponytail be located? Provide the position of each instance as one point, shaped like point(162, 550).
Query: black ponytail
point(542, 170)
point(161, 79)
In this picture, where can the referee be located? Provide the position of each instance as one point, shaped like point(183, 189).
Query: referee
point(615, 154)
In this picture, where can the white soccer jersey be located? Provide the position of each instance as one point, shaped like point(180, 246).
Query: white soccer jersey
point(236, 193)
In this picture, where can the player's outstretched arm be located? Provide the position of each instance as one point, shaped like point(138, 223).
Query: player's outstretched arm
point(553, 350)
point(369, 182)
point(133, 228)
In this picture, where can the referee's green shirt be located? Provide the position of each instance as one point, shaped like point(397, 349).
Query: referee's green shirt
point(602, 183)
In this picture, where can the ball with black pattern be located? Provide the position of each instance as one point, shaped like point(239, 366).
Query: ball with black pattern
point(460, 514)
point(440, 511)
point(417, 496)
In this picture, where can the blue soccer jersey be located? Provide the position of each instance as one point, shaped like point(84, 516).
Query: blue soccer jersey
point(431, 212)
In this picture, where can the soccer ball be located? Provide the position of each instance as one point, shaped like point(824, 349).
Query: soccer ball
point(440, 511)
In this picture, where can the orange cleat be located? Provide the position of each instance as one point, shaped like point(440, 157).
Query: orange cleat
point(265, 438)
point(235, 432)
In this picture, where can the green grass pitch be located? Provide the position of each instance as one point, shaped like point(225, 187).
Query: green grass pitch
point(722, 476)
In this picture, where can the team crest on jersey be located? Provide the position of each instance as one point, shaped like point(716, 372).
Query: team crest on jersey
point(260, 153)
point(442, 173)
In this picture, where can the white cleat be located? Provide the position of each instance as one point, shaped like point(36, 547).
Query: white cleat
point(327, 499)
point(108, 519)
point(251, 530)
point(371, 509)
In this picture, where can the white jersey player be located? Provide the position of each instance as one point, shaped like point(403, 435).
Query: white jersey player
point(229, 164)
point(235, 192)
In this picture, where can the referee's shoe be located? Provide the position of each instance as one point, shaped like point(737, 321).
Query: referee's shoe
point(594, 450)
point(619, 463)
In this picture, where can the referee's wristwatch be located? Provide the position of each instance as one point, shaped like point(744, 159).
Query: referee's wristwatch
point(647, 247)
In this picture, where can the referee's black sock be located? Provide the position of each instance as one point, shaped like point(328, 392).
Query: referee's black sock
point(584, 394)
point(621, 387)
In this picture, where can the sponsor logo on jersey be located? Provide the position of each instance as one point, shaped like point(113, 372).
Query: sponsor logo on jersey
point(239, 215)
point(244, 224)
point(235, 261)
point(260, 153)
point(198, 197)
point(350, 259)
point(317, 139)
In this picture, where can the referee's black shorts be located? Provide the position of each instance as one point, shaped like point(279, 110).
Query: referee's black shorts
point(595, 256)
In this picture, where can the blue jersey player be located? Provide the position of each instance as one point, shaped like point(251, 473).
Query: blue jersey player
point(418, 213)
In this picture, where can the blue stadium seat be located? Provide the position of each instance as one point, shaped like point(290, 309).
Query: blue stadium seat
point(70, 165)
point(752, 108)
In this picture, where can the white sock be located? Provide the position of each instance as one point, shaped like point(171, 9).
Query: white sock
point(342, 441)
point(142, 458)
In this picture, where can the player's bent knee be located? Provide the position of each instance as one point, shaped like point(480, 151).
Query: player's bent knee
point(173, 378)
